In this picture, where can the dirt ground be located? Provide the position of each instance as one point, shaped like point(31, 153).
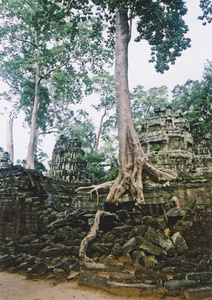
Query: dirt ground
point(17, 287)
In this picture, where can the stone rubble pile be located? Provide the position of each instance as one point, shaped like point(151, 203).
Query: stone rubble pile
point(133, 255)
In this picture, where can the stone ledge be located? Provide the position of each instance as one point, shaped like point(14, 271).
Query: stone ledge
point(199, 293)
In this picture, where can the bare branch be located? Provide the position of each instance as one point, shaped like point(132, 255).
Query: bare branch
point(25, 41)
point(48, 132)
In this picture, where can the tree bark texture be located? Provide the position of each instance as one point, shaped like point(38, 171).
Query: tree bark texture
point(100, 129)
point(131, 156)
point(32, 140)
point(10, 148)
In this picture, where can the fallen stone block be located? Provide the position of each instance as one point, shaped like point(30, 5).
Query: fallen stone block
point(102, 248)
point(177, 212)
point(129, 246)
point(93, 280)
point(148, 261)
point(93, 266)
point(121, 229)
point(200, 276)
point(144, 274)
point(179, 284)
point(122, 277)
point(143, 244)
point(129, 290)
point(198, 293)
point(179, 242)
point(115, 267)
point(158, 239)
point(54, 251)
point(204, 263)
point(6, 261)
point(116, 250)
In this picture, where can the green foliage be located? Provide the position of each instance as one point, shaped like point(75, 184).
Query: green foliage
point(21, 162)
point(160, 22)
point(40, 157)
point(54, 38)
point(186, 177)
point(26, 104)
point(79, 126)
point(206, 6)
point(144, 102)
point(194, 99)
point(79, 156)
point(95, 168)
point(104, 85)
point(100, 167)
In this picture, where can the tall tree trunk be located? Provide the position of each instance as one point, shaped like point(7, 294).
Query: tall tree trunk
point(131, 156)
point(33, 136)
point(100, 128)
point(32, 140)
point(10, 148)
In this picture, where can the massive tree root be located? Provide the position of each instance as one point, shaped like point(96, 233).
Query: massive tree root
point(95, 188)
point(92, 234)
point(130, 180)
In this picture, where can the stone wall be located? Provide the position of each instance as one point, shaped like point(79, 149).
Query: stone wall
point(29, 201)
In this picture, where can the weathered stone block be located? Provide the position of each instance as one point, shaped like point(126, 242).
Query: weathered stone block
point(179, 284)
point(118, 231)
point(93, 266)
point(124, 277)
point(115, 267)
point(147, 246)
point(148, 261)
point(198, 293)
point(93, 280)
point(179, 242)
point(56, 250)
point(200, 276)
point(116, 250)
point(158, 239)
point(102, 248)
point(129, 290)
point(144, 274)
point(129, 246)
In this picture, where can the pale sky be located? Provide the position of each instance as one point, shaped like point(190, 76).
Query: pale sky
point(189, 66)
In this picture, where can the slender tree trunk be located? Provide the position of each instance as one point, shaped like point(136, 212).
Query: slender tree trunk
point(33, 136)
point(32, 140)
point(10, 148)
point(131, 156)
point(100, 129)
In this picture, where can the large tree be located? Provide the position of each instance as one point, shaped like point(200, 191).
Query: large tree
point(41, 39)
point(161, 23)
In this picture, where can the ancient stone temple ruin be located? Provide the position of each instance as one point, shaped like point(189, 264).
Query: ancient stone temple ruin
point(167, 141)
point(67, 161)
point(203, 157)
point(5, 161)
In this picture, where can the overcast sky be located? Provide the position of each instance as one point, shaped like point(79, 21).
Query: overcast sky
point(189, 66)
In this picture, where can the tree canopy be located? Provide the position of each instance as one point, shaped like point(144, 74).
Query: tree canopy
point(206, 6)
point(194, 99)
point(45, 42)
